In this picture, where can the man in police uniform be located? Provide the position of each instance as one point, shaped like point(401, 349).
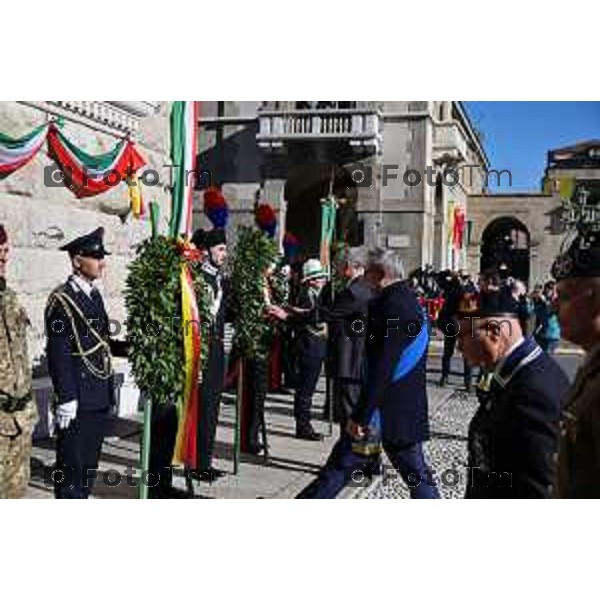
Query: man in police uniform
point(514, 433)
point(214, 242)
point(577, 272)
point(18, 413)
point(79, 362)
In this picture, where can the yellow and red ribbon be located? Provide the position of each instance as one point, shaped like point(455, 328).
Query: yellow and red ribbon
point(185, 445)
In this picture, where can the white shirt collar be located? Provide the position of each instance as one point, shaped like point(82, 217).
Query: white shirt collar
point(209, 268)
point(86, 286)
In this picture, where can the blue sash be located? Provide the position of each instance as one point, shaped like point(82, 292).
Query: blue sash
point(412, 354)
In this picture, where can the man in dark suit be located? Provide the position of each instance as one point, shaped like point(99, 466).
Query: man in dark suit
point(514, 434)
point(392, 408)
point(347, 319)
point(396, 346)
point(79, 362)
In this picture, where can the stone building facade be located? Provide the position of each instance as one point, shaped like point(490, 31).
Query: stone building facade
point(525, 231)
point(39, 219)
point(370, 155)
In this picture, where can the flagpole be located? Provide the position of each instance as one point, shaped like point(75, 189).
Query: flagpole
point(145, 454)
point(238, 403)
point(147, 428)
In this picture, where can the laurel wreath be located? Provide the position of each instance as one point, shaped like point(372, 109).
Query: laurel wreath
point(253, 254)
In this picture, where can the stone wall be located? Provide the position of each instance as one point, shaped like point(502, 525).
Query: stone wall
point(538, 212)
point(39, 219)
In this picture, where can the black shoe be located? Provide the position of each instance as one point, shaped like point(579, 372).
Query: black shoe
point(469, 388)
point(254, 449)
point(210, 474)
point(443, 382)
point(308, 433)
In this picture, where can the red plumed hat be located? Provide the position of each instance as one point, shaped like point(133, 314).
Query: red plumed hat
point(265, 218)
point(215, 207)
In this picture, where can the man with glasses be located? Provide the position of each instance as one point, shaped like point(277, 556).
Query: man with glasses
point(513, 435)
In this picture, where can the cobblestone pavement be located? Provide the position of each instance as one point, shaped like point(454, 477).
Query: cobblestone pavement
point(446, 451)
point(450, 412)
point(293, 463)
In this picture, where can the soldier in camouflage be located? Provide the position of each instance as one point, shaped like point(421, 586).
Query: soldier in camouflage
point(577, 272)
point(18, 412)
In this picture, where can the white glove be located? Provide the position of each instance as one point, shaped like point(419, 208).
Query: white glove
point(65, 413)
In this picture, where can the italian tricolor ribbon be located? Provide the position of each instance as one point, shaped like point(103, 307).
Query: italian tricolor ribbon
point(87, 174)
point(16, 152)
point(184, 131)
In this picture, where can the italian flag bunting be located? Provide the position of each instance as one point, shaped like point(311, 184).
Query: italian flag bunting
point(87, 174)
point(16, 152)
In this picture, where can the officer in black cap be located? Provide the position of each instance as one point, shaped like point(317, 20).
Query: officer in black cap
point(79, 361)
point(214, 243)
point(514, 433)
point(577, 271)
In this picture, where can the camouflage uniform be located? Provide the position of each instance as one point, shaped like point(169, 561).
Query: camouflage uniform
point(579, 448)
point(18, 412)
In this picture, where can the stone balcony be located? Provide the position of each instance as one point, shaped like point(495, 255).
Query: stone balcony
point(356, 126)
point(449, 143)
point(117, 117)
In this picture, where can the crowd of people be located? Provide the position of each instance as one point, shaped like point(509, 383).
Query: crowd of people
point(372, 334)
point(440, 291)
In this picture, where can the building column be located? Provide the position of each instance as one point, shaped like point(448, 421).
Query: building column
point(274, 191)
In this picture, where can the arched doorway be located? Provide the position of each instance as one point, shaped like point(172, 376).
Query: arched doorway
point(505, 245)
point(304, 189)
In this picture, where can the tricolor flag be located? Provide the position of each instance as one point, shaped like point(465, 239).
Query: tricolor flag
point(88, 174)
point(184, 126)
point(15, 152)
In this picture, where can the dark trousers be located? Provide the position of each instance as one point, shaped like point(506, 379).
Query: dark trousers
point(163, 432)
point(210, 403)
point(409, 462)
point(289, 363)
point(256, 379)
point(309, 370)
point(449, 347)
point(78, 451)
point(346, 393)
point(343, 467)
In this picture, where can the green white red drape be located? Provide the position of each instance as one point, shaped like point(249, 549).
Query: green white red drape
point(87, 174)
point(16, 152)
point(184, 127)
point(328, 215)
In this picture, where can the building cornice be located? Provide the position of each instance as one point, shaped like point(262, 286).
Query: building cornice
point(117, 118)
point(474, 136)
